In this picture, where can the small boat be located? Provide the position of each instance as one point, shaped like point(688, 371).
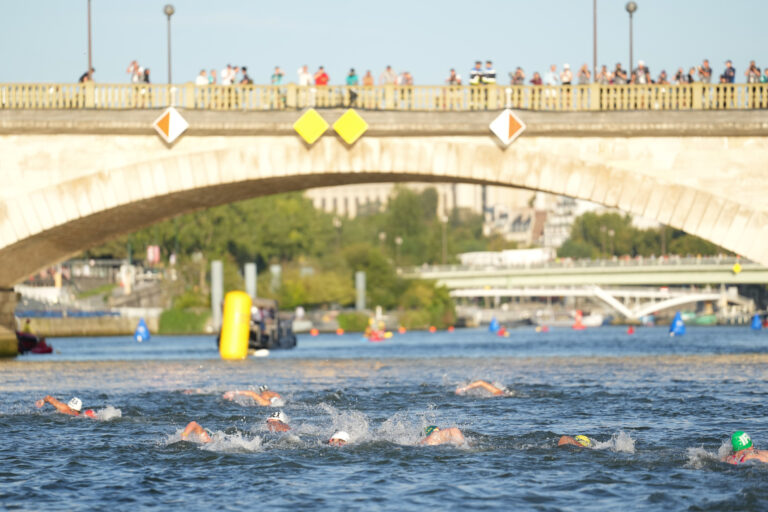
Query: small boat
point(28, 342)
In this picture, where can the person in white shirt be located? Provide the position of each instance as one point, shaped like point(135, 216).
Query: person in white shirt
point(227, 75)
point(202, 78)
point(305, 78)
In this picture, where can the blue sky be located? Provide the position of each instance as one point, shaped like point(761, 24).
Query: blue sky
point(46, 40)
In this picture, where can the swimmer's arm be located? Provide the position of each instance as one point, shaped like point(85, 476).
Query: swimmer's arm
point(453, 435)
point(229, 395)
point(481, 384)
point(761, 455)
point(568, 440)
point(194, 428)
point(61, 407)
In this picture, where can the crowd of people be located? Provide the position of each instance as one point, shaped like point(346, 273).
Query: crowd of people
point(742, 446)
point(478, 75)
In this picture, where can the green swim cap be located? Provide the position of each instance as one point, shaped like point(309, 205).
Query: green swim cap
point(740, 440)
point(430, 429)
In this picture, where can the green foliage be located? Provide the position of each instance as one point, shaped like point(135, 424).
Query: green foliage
point(597, 235)
point(424, 304)
point(353, 321)
point(182, 321)
point(105, 290)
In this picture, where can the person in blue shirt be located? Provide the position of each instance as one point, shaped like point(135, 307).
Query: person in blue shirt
point(476, 74)
point(730, 72)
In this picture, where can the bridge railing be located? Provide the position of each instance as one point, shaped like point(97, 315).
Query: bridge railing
point(563, 263)
point(575, 98)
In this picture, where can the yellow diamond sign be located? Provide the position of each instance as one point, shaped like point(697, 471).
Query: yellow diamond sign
point(310, 126)
point(350, 126)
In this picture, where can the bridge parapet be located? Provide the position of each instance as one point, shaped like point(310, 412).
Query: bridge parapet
point(574, 98)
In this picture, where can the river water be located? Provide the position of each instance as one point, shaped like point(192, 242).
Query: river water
point(660, 409)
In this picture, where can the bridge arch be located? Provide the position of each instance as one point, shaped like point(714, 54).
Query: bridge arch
point(65, 216)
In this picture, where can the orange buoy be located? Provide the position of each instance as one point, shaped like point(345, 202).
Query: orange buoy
point(450, 328)
point(401, 330)
point(544, 328)
point(432, 328)
point(314, 332)
point(631, 330)
point(339, 331)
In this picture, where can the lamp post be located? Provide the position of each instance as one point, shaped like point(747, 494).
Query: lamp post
point(631, 8)
point(169, 10)
point(90, 53)
point(444, 222)
point(594, 41)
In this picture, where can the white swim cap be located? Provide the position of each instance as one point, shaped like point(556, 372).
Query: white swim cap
point(263, 388)
point(75, 404)
point(341, 436)
point(274, 400)
point(279, 416)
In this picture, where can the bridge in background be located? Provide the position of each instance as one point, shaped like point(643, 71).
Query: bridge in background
point(637, 272)
point(81, 163)
point(630, 303)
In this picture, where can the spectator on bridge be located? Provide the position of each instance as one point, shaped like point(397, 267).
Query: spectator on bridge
point(641, 75)
point(135, 71)
point(453, 78)
point(229, 74)
point(202, 78)
point(212, 77)
point(87, 76)
point(489, 74)
point(321, 77)
point(753, 73)
point(368, 79)
point(352, 81)
point(603, 76)
point(619, 75)
point(692, 74)
point(145, 77)
point(277, 76)
point(584, 75)
point(705, 72)
point(536, 80)
point(680, 77)
point(518, 77)
point(730, 72)
point(246, 80)
point(388, 77)
point(476, 73)
point(764, 77)
point(405, 78)
point(305, 78)
point(566, 77)
point(551, 78)
point(662, 79)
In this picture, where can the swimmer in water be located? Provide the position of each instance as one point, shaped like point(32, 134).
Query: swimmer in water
point(744, 450)
point(579, 441)
point(264, 396)
point(340, 438)
point(73, 408)
point(482, 385)
point(277, 422)
point(201, 435)
point(435, 436)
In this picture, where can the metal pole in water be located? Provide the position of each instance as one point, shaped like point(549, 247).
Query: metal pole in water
point(360, 288)
point(217, 292)
point(250, 279)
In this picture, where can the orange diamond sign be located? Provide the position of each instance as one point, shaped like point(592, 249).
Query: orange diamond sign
point(170, 125)
point(507, 127)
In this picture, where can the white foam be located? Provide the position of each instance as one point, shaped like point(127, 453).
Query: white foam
point(619, 442)
point(232, 443)
point(108, 413)
point(698, 457)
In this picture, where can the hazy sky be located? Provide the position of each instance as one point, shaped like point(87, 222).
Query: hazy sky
point(46, 40)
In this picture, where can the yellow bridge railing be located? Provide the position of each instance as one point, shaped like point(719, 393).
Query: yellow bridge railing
point(573, 98)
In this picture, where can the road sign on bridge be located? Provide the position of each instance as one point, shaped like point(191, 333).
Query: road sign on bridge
point(507, 127)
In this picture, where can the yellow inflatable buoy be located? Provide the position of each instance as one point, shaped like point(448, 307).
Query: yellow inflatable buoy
point(235, 326)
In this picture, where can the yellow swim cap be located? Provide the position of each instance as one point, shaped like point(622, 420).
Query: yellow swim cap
point(583, 441)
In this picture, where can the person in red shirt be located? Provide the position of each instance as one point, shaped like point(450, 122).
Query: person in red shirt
point(321, 77)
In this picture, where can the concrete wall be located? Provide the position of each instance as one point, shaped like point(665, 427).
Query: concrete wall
point(74, 179)
point(96, 326)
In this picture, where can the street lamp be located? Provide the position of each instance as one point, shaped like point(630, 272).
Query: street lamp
point(631, 8)
point(594, 41)
point(90, 54)
point(169, 10)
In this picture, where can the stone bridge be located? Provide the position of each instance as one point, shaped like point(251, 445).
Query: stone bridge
point(74, 178)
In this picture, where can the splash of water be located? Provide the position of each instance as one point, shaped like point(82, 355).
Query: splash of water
point(698, 457)
point(108, 413)
point(620, 442)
